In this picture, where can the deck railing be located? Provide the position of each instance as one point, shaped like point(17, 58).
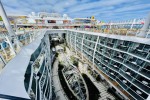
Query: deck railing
point(123, 32)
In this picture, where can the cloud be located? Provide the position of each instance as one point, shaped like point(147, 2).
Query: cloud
point(134, 7)
point(101, 9)
point(98, 4)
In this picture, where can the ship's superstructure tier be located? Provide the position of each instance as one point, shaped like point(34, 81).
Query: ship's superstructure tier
point(123, 61)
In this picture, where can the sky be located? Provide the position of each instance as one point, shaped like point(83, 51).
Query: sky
point(103, 10)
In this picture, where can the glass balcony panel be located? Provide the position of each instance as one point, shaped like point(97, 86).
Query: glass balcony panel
point(121, 83)
point(111, 75)
point(138, 52)
point(140, 47)
point(114, 67)
point(145, 96)
point(143, 87)
point(134, 94)
point(122, 47)
point(146, 48)
point(127, 43)
point(131, 65)
point(140, 62)
point(110, 44)
point(126, 75)
point(147, 66)
point(145, 72)
point(117, 58)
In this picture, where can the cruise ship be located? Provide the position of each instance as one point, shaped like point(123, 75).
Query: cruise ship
point(48, 56)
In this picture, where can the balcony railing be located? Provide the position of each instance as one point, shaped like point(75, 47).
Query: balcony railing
point(123, 32)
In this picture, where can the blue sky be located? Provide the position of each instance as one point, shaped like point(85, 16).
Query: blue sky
point(106, 10)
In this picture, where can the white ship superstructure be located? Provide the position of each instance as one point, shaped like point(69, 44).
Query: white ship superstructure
point(117, 52)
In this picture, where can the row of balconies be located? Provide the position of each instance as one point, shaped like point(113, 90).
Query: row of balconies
point(134, 65)
point(121, 56)
point(135, 68)
point(90, 37)
point(124, 82)
point(116, 66)
point(128, 85)
point(89, 44)
point(124, 46)
point(133, 62)
point(80, 35)
point(136, 93)
point(126, 65)
point(141, 50)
